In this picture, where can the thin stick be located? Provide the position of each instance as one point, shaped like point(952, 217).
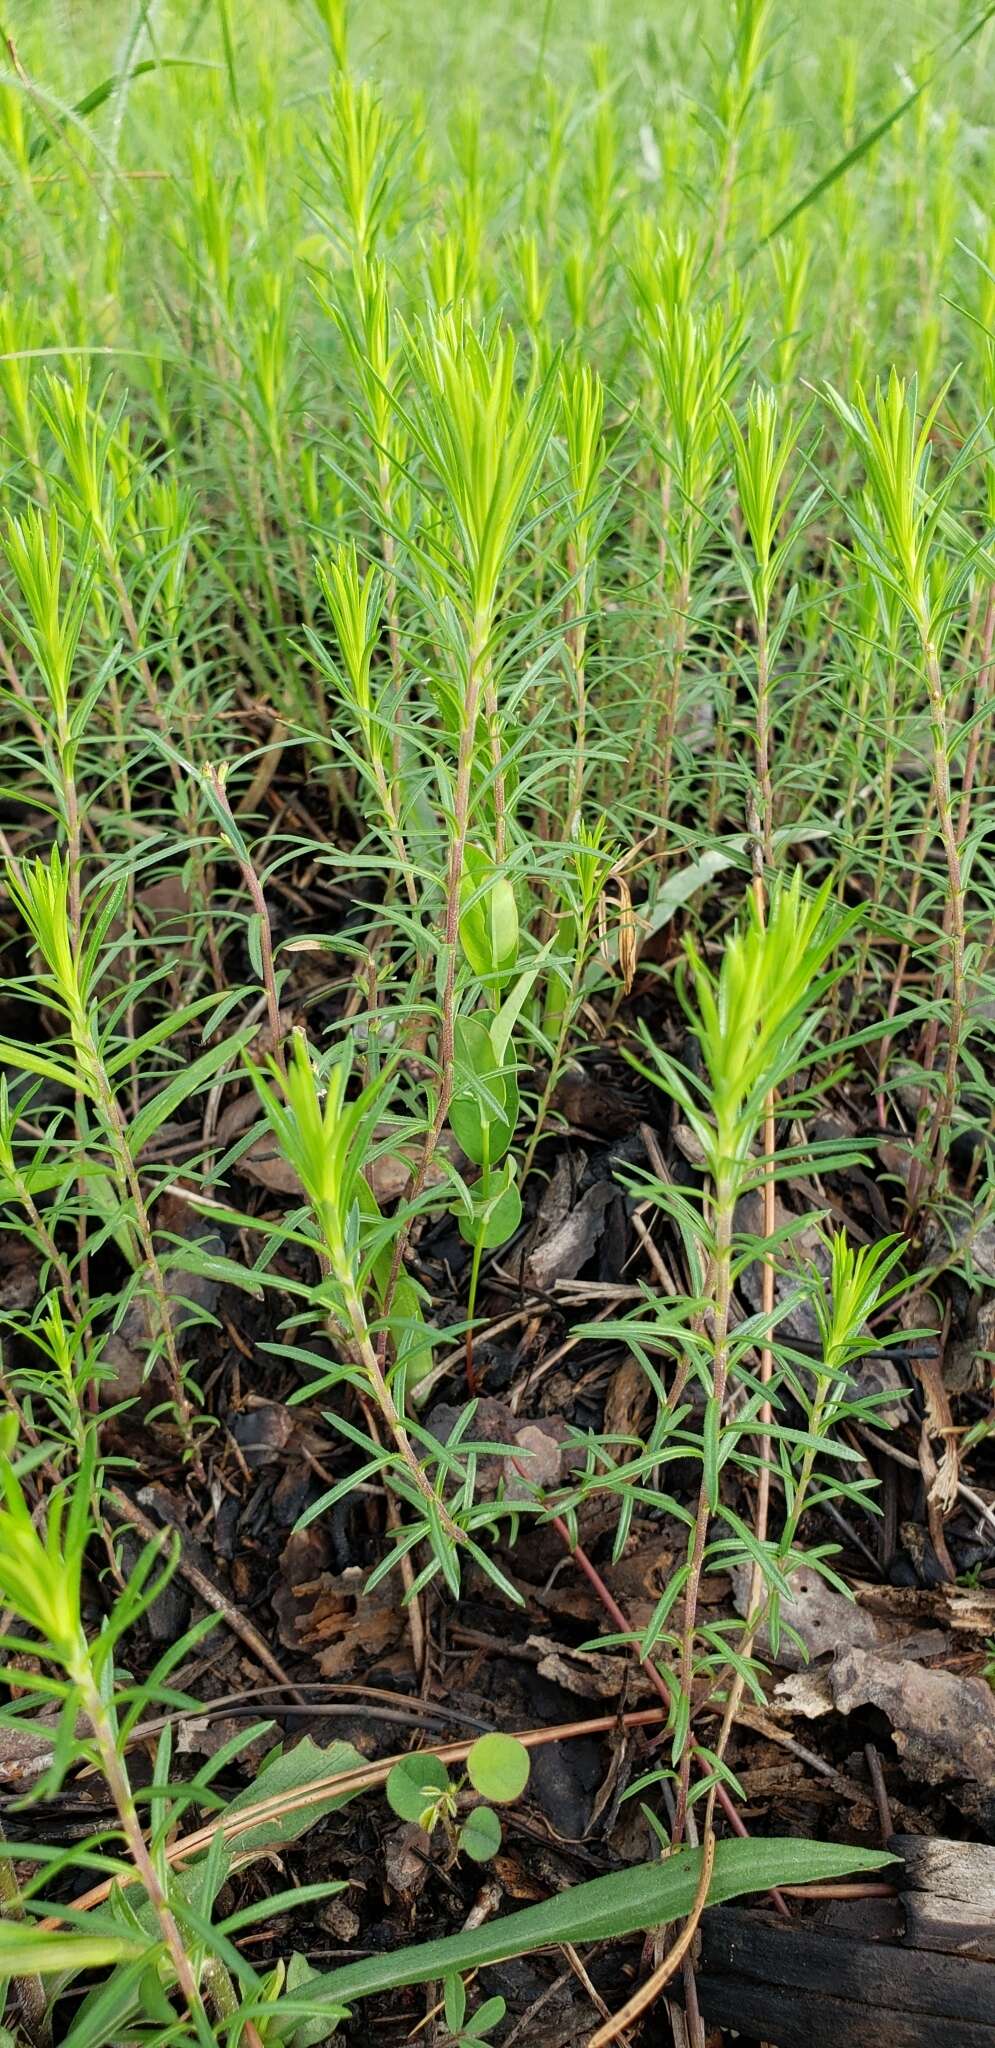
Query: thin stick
point(880, 1793)
point(208, 1592)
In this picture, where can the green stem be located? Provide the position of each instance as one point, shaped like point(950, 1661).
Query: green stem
point(764, 772)
point(380, 1389)
point(29, 1991)
point(119, 1786)
point(955, 924)
point(721, 1296)
point(130, 1185)
point(450, 940)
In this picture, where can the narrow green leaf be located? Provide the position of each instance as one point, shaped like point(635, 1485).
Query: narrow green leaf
point(96, 97)
point(179, 1089)
point(36, 1063)
point(867, 142)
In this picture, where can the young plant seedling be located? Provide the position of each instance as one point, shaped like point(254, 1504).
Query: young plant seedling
point(464, 2028)
point(420, 1789)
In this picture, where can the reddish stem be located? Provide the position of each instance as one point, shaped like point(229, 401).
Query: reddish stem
point(614, 1611)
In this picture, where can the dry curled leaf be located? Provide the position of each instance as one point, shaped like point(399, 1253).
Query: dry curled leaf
point(334, 1618)
point(588, 1673)
point(562, 1253)
point(823, 1618)
point(628, 941)
point(943, 1724)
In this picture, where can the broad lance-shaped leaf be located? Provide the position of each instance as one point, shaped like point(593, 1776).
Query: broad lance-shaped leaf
point(497, 1209)
point(511, 1009)
point(294, 1771)
point(627, 1902)
point(484, 1109)
point(488, 925)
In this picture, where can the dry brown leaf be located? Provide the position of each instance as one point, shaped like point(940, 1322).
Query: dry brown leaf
point(168, 897)
point(627, 1399)
point(823, 1618)
point(807, 1252)
point(338, 1918)
point(535, 1448)
point(938, 1451)
point(628, 938)
point(334, 1618)
point(24, 1755)
point(407, 1859)
point(589, 1673)
point(967, 1359)
point(540, 1457)
point(595, 1106)
point(806, 1693)
point(879, 1374)
point(968, 1609)
point(558, 1195)
point(940, 1423)
point(637, 1582)
point(517, 1880)
point(943, 1725)
point(202, 1735)
point(568, 1247)
point(689, 1144)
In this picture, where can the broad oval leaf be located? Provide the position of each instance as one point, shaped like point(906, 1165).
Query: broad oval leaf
point(480, 1834)
point(415, 1784)
point(498, 1767)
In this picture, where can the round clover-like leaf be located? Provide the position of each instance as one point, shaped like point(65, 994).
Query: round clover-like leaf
point(415, 1784)
point(498, 1767)
point(480, 1834)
